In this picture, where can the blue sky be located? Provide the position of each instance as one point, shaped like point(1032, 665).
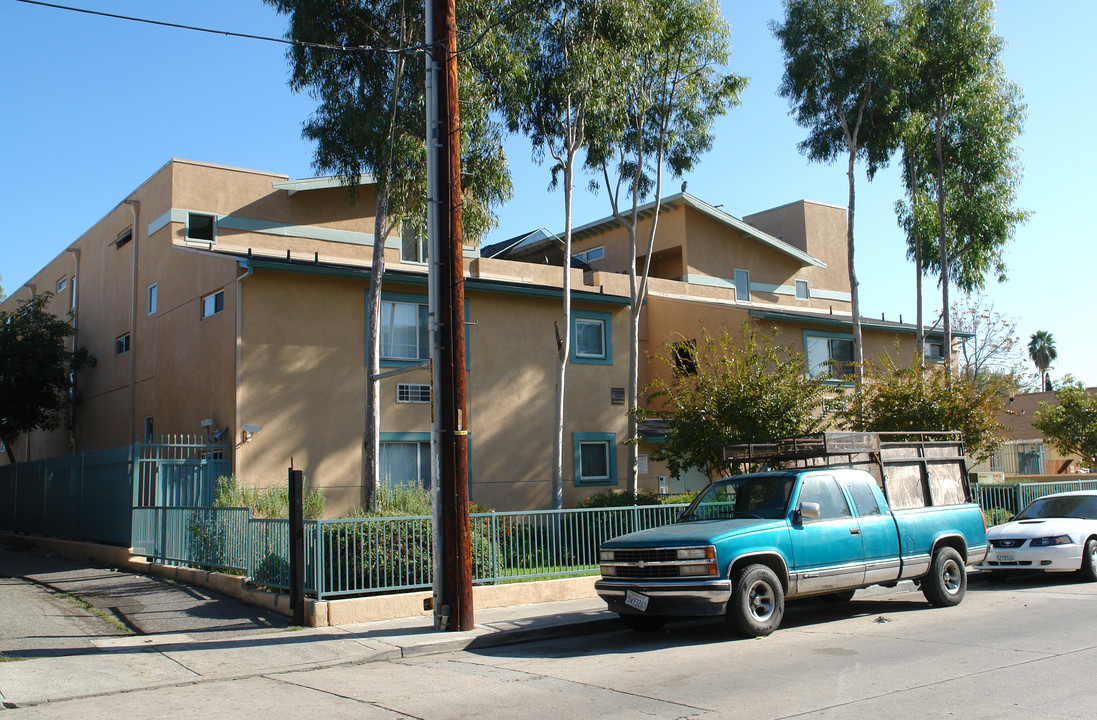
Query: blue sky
point(93, 106)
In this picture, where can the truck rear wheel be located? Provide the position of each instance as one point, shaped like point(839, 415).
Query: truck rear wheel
point(757, 602)
point(946, 582)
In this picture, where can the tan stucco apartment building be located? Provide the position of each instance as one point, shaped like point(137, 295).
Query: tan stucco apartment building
point(222, 300)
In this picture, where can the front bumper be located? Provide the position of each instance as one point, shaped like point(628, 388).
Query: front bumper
point(709, 597)
point(1056, 558)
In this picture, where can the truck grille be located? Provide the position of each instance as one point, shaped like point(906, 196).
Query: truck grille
point(646, 563)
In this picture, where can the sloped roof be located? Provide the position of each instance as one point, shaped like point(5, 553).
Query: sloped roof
point(673, 202)
point(318, 183)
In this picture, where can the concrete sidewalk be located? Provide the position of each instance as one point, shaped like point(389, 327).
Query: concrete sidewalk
point(126, 663)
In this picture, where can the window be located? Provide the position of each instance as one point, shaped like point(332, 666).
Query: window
point(412, 393)
point(122, 344)
point(62, 284)
point(72, 300)
point(591, 255)
point(413, 245)
point(123, 237)
point(830, 356)
point(151, 296)
point(213, 304)
point(864, 499)
point(935, 351)
point(590, 338)
point(595, 458)
point(802, 290)
point(684, 354)
point(148, 428)
point(742, 285)
point(405, 459)
point(200, 227)
point(823, 490)
point(404, 331)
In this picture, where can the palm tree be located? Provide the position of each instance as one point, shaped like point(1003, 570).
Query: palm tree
point(1041, 348)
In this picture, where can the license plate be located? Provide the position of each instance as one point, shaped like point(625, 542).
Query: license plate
point(636, 600)
point(1004, 557)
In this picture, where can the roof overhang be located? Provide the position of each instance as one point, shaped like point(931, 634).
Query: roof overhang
point(673, 202)
point(319, 183)
point(843, 321)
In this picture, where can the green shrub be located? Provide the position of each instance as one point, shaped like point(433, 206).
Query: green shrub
point(269, 502)
point(997, 516)
point(623, 498)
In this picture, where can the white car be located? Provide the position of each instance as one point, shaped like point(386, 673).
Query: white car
point(1055, 533)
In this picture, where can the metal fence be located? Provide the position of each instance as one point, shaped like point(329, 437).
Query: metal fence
point(1015, 458)
point(85, 496)
point(373, 555)
point(178, 471)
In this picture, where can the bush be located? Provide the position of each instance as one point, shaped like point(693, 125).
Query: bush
point(269, 502)
point(997, 516)
point(623, 498)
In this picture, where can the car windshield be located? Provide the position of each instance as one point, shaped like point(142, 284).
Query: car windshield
point(1078, 506)
point(747, 496)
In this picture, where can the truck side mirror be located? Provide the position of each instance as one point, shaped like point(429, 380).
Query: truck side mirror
point(808, 510)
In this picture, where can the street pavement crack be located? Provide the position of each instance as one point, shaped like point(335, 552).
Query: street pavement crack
point(589, 685)
point(341, 696)
point(965, 676)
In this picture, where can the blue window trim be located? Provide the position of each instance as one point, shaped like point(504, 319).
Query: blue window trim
point(607, 324)
point(829, 335)
point(387, 437)
point(609, 438)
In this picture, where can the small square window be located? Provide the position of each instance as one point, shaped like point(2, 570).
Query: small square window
point(829, 356)
point(148, 428)
point(213, 304)
point(152, 293)
point(595, 458)
point(935, 351)
point(62, 284)
point(122, 344)
point(200, 227)
point(742, 285)
point(802, 290)
point(123, 237)
point(591, 339)
point(412, 393)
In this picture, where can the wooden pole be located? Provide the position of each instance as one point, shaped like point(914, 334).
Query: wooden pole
point(456, 539)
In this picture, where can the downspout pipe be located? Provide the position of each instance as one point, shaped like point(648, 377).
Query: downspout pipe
point(237, 397)
point(74, 307)
point(135, 209)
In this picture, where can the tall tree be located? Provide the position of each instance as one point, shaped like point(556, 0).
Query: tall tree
point(669, 92)
point(362, 60)
point(36, 370)
point(1041, 350)
point(841, 61)
point(553, 70)
point(966, 153)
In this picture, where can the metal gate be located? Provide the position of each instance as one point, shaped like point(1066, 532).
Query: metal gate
point(178, 471)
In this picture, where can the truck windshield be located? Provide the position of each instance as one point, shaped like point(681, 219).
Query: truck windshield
point(747, 496)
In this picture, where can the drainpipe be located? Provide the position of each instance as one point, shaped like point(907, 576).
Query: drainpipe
point(74, 307)
point(135, 206)
point(248, 270)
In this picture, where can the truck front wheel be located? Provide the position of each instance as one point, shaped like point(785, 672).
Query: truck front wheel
point(757, 602)
point(946, 583)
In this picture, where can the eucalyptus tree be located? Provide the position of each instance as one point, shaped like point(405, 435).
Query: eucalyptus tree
point(964, 152)
point(363, 63)
point(554, 68)
point(670, 90)
point(1041, 350)
point(842, 58)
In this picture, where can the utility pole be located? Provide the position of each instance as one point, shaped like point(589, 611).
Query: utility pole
point(454, 589)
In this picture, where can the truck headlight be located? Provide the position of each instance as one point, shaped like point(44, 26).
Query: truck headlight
point(605, 556)
point(701, 569)
point(609, 571)
point(701, 553)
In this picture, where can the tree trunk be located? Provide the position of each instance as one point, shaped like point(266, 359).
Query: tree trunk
point(946, 347)
point(920, 337)
point(564, 349)
point(370, 446)
point(855, 305)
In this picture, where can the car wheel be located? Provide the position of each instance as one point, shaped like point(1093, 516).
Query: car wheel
point(946, 582)
point(644, 623)
point(1089, 561)
point(840, 597)
point(757, 602)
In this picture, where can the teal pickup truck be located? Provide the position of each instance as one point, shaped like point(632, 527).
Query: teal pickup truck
point(841, 511)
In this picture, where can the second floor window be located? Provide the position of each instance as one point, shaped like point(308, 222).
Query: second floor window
point(213, 304)
point(404, 334)
point(829, 356)
point(122, 344)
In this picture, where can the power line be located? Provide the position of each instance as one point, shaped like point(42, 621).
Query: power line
point(229, 33)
